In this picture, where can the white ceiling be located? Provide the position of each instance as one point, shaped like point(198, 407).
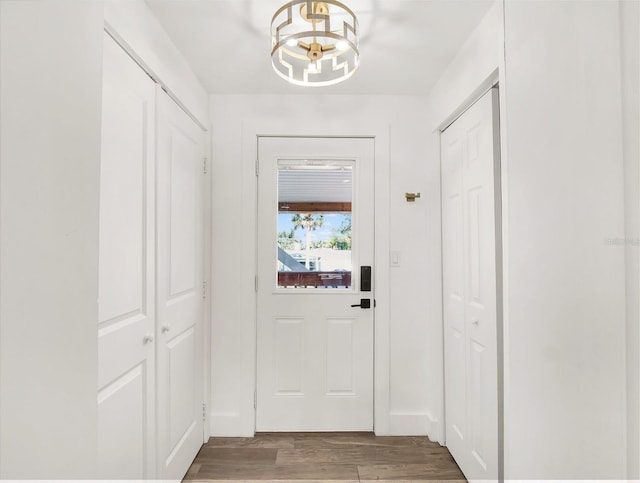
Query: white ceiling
point(404, 44)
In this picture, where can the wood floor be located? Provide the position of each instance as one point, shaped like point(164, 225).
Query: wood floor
point(309, 457)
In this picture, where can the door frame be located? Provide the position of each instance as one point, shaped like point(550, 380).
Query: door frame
point(495, 80)
point(379, 132)
point(358, 415)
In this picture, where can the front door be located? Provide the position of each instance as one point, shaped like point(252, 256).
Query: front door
point(315, 284)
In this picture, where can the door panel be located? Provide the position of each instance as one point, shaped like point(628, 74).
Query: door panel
point(185, 151)
point(470, 289)
point(289, 351)
point(126, 417)
point(315, 350)
point(340, 356)
point(179, 289)
point(122, 414)
point(454, 290)
point(478, 366)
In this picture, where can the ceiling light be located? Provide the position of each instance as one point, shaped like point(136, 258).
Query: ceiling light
point(314, 43)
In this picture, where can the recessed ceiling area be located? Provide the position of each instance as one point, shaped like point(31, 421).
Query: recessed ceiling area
point(404, 44)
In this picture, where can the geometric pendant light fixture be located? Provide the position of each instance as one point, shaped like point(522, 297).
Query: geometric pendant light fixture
point(314, 43)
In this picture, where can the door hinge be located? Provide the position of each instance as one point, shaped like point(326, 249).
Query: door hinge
point(204, 411)
point(256, 283)
point(257, 168)
point(204, 290)
point(204, 165)
point(255, 400)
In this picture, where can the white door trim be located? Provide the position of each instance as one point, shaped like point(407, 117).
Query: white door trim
point(380, 133)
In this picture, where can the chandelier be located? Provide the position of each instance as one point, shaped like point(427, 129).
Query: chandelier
point(314, 43)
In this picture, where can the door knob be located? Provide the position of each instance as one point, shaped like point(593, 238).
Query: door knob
point(364, 304)
point(166, 328)
point(147, 338)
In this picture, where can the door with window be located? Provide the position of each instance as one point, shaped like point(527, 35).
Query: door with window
point(315, 284)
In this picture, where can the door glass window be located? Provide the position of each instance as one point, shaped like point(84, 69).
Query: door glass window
point(314, 242)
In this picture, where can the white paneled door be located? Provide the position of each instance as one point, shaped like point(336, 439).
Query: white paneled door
point(180, 392)
point(150, 394)
point(126, 330)
point(315, 332)
point(470, 218)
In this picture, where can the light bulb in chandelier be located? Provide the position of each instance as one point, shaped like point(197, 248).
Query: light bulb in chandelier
point(314, 68)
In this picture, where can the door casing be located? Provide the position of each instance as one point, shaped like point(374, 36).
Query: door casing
point(379, 133)
point(290, 309)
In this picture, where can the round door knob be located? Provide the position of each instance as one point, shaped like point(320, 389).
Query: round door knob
point(147, 338)
point(475, 321)
point(166, 328)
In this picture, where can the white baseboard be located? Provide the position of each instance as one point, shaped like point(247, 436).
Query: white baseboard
point(227, 425)
point(434, 429)
point(403, 423)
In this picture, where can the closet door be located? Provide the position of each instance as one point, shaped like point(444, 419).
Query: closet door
point(469, 213)
point(126, 418)
point(180, 155)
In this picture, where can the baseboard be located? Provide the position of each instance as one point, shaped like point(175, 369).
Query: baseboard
point(434, 429)
point(403, 423)
point(228, 425)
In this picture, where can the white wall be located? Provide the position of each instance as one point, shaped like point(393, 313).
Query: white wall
point(233, 334)
point(50, 100)
point(565, 317)
point(630, 24)
point(563, 195)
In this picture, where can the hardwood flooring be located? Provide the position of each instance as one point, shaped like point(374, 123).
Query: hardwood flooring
point(307, 457)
